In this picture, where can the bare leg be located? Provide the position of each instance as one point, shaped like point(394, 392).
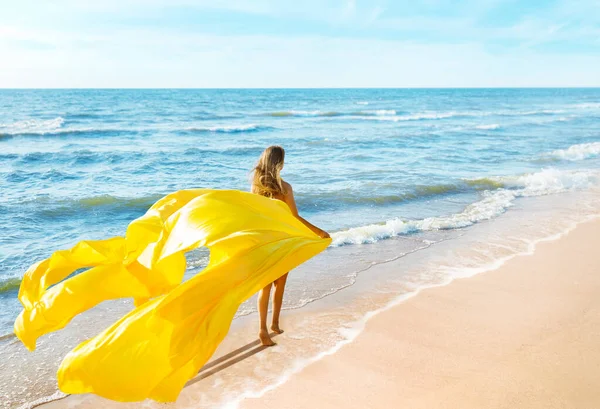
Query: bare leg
point(263, 309)
point(277, 301)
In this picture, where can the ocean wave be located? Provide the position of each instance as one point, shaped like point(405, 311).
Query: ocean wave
point(376, 112)
point(57, 207)
point(577, 152)
point(8, 156)
point(109, 200)
point(587, 105)
point(488, 127)
point(58, 395)
point(37, 127)
point(84, 115)
point(9, 284)
point(484, 183)
point(349, 198)
point(32, 126)
point(533, 112)
point(78, 157)
point(229, 151)
point(53, 175)
point(421, 116)
point(211, 116)
point(293, 113)
point(492, 204)
point(564, 118)
point(392, 115)
point(230, 128)
point(8, 336)
point(433, 115)
point(51, 207)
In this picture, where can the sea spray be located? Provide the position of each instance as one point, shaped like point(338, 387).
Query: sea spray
point(492, 203)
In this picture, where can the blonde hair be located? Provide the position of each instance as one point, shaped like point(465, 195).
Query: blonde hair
point(266, 178)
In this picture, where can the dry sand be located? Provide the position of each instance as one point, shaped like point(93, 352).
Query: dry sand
point(524, 336)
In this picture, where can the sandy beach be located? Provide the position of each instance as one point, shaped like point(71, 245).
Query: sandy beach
point(417, 187)
point(524, 335)
point(427, 225)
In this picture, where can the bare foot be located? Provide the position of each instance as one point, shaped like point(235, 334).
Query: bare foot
point(275, 328)
point(265, 339)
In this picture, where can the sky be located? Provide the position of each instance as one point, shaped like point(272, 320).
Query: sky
point(298, 43)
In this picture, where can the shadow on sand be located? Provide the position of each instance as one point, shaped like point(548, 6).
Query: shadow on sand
point(229, 359)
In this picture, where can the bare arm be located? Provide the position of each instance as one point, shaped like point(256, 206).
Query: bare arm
point(288, 198)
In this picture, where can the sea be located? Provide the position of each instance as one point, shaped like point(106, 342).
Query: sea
point(444, 183)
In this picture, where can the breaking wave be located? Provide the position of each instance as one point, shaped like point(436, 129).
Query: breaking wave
point(230, 128)
point(492, 204)
point(488, 127)
point(32, 126)
point(9, 284)
point(577, 152)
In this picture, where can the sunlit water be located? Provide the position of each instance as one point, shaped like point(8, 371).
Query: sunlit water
point(412, 170)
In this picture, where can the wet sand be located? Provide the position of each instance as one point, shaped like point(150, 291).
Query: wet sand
point(523, 336)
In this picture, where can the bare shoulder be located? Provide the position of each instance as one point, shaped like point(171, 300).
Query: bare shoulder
point(288, 197)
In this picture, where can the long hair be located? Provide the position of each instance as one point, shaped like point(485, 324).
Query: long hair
point(266, 178)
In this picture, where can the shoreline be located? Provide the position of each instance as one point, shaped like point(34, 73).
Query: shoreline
point(244, 331)
point(418, 189)
point(512, 337)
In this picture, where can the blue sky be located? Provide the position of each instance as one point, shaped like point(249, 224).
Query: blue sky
point(282, 43)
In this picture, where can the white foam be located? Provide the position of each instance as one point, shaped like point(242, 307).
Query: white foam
point(391, 115)
point(32, 126)
point(350, 333)
point(375, 112)
point(428, 115)
point(303, 113)
point(46, 399)
point(490, 126)
point(578, 152)
point(587, 105)
point(307, 113)
point(226, 128)
point(431, 115)
point(536, 112)
point(493, 203)
point(550, 181)
point(383, 112)
point(362, 103)
point(193, 263)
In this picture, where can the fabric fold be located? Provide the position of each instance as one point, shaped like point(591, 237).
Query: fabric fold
point(156, 348)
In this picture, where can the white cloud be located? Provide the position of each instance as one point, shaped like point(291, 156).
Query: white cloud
point(140, 58)
point(164, 56)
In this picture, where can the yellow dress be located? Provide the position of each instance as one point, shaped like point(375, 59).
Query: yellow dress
point(156, 348)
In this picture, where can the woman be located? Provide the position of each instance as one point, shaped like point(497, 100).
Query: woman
point(266, 181)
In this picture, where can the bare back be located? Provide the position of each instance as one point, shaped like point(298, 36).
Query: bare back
point(287, 197)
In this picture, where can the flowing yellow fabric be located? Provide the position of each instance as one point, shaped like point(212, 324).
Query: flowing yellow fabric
point(175, 328)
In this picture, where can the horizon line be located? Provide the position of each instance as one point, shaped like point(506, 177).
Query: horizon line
point(293, 88)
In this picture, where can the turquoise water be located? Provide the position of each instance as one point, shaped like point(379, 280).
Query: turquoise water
point(367, 164)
